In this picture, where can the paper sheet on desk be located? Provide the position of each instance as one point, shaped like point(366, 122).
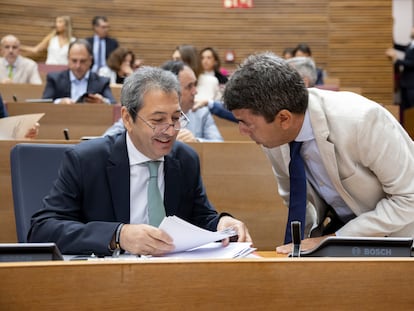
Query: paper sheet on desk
point(215, 250)
point(16, 127)
point(187, 236)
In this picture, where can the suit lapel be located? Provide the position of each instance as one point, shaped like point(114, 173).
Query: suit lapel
point(66, 84)
point(91, 83)
point(119, 179)
point(327, 149)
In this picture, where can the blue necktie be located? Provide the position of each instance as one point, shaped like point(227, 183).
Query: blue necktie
point(156, 210)
point(297, 198)
point(99, 62)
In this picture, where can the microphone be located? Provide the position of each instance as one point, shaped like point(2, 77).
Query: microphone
point(296, 238)
point(66, 133)
point(14, 98)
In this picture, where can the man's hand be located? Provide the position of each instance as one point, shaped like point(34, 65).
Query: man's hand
point(307, 244)
point(186, 136)
point(94, 99)
point(66, 101)
point(33, 132)
point(237, 225)
point(199, 104)
point(145, 240)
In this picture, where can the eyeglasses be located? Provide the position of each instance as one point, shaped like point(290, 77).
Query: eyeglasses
point(161, 128)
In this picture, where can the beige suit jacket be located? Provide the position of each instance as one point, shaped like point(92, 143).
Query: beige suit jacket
point(369, 158)
point(25, 71)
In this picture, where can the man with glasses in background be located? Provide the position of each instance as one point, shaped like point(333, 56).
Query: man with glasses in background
point(100, 201)
point(102, 45)
point(201, 127)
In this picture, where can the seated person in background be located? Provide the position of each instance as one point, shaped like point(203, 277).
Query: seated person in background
point(56, 42)
point(68, 86)
point(120, 64)
point(31, 133)
point(211, 64)
point(358, 160)
point(188, 54)
point(15, 68)
point(306, 68)
point(302, 49)
point(99, 202)
point(288, 53)
point(202, 126)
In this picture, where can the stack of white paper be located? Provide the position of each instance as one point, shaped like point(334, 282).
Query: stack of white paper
point(194, 242)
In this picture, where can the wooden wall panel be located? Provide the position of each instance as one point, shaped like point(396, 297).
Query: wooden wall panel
point(348, 38)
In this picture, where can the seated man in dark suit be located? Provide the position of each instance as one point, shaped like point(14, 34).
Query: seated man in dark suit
point(78, 83)
point(100, 201)
point(102, 45)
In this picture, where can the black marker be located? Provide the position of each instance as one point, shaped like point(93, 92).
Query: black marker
point(66, 133)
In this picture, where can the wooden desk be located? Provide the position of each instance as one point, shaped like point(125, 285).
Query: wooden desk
point(244, 284)
point(21, 91)
point(81, 119)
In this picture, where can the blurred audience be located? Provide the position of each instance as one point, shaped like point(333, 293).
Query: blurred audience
point(406, 79)
point(120, 64)
point(303, 49)
point(15, 68)
point(288, 53)
point(56, 42)
point(102, 45)
point(78, 84)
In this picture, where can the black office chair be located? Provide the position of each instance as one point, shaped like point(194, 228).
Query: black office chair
point(34, 168)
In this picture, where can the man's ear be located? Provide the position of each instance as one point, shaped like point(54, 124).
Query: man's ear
point(126, 118)
point(284, 118)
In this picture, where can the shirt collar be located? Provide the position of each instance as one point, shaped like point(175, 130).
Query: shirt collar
point(134, 155)
point(73, 78)
point(306, 132)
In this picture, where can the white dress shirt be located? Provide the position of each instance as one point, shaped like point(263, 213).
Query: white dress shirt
point(139, 183)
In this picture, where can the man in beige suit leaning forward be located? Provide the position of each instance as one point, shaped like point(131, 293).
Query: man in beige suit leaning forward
point(358, 160)
point(15, 68)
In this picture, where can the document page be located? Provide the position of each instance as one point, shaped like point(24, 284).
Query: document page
point(187, 236)
point(16, 127)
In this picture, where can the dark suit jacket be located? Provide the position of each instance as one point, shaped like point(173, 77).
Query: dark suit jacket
point(91, 195)
point(407, 76)
point(111, 45)
point(58, 85)
point(3, 110)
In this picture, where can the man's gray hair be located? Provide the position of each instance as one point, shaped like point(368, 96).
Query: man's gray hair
point(143, 80)
point(306, 68)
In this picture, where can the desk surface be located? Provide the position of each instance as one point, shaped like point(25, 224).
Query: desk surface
point(244, 284)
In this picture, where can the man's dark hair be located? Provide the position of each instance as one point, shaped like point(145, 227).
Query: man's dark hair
point(83, 42)
point(96, 19)
point(175, 66)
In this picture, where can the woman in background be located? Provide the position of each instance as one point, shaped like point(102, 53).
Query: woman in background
point(56, 42)
point(188, 54)
point(211, 64)
point(120, 64)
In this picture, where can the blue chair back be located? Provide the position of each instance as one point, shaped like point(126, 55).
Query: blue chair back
point(34, 168)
